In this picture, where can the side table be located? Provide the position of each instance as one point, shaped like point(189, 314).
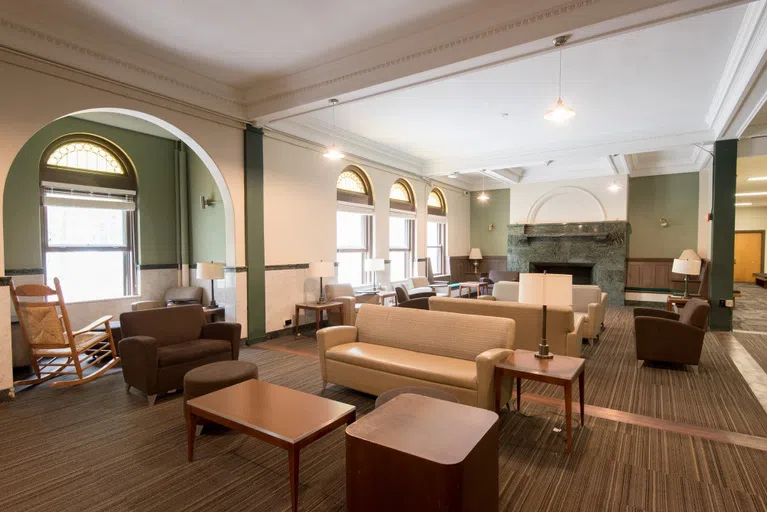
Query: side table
point(473, 284)
point(383, 295)
point(318, 310)
point(559, 370)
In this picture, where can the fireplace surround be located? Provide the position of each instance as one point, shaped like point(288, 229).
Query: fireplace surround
point(600, 247)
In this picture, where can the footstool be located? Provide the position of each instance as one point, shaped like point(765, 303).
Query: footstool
point(214, 376)
point(415, 390)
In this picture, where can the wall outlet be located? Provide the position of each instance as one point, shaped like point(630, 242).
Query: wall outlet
point(288, 322)
point(729, 303)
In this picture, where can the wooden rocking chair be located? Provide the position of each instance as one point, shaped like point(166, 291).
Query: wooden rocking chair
point(50, 338)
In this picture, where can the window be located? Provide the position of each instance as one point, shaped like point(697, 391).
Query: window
point(401, 230)
point(88, 212)
point(354, 226)
point(436, 232)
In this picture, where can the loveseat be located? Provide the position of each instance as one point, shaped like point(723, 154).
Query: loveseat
point(563, 327)
point(397, 347)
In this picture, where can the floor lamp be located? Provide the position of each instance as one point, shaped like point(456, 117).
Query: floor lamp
point(545, 290)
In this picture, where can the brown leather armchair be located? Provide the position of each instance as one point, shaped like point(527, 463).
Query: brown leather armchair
point(160, 345)
point(403, 295)
point(669, 337)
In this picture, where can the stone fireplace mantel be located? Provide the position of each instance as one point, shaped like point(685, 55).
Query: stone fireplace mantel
point(601, 245)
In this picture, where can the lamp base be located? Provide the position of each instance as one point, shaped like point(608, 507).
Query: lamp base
point(213, 304)
point(322, 299)
point(543, 352)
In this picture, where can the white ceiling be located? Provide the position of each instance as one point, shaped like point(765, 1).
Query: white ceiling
point(241, 42)
point(653, 83)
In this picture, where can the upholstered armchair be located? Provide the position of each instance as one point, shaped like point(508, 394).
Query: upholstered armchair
point(176, 296)
point(592, 302)
point(344, 293)
point(405, 300)
point(503, 291)
point(404, 295)
point(670, 337)
point(417, 286)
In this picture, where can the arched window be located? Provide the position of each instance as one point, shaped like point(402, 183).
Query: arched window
point(436, 232)
point(401, 230)
point(88, 188)
point(354, 226)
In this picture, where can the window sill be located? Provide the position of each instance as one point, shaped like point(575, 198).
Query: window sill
point(111, 299)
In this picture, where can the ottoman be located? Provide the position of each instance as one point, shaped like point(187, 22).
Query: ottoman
point(214, 376)
point(415, 390)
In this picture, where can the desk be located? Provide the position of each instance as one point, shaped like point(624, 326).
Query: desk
point(318, 309)
point(473, 284)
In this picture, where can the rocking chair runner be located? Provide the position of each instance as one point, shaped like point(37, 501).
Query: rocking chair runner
point(50, 338)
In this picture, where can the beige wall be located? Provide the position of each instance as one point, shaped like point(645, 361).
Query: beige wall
point(300, 217)
point(34, 94)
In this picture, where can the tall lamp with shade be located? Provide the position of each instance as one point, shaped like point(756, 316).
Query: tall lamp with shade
point(210, 271)
point(475, 255)
point(545, 290)
point(322, 269)
point(375, 265)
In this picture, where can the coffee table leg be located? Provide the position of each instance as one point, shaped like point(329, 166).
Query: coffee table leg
point(191, 431)
point(580, 390)
point(293, 452)
point(519, 393)
point(569, 415)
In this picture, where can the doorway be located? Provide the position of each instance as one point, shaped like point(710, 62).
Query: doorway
point(749, 255)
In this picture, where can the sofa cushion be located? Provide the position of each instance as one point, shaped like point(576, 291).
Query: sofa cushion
point(443, 370)
point(169, 325)
point(583, 295)
point(436, 333)
point(178, 353)
point(506, 291)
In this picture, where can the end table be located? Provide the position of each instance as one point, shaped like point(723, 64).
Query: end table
point(318, 310)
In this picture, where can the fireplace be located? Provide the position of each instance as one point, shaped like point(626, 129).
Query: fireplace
point(581, 272)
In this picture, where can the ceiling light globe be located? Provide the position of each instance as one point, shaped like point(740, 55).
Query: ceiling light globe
point(559, 113)
point(483, 197)
point(333, 153)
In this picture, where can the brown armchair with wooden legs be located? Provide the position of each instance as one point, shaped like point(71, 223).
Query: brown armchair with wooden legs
point(50, 338)
point(669, 337)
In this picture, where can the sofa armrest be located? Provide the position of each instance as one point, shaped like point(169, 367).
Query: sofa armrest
point(138, 355)
point(655, 313)
point(486, 297)
point(575, 338)
point(330, 337)
point(662, 339)
point(228, 331)
point(486, 378)
point(349, 307)
point(421, 295)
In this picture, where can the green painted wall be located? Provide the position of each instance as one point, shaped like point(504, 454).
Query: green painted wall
point(495, 211)
point(207, 229)
point(673, 197)
point(154, 159)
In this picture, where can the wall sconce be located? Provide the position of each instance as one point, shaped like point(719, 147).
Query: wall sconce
point(204, 203)
point(490, 227)
point(664, 223)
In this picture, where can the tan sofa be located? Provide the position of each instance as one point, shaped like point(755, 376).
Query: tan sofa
point(592, 302)
point(563, 327)
point(397, 347)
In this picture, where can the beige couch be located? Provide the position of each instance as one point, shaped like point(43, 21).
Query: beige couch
point(592, 302)
point(563, 327)
point(396, 347)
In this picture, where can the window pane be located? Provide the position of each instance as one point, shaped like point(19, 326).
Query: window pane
point(350, 230)
point(87, 275)
point(350, 267)
point(398, 233)
point(85, 226)
point(435, 254)
point(399, 265)
point(434, 200)
point(432, 233)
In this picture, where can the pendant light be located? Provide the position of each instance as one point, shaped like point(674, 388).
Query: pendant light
point(483, 197)
point(333, 153)
point(560, 112)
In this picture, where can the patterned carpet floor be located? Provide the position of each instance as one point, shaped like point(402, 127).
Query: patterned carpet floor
point(95, 447)
point(750, 311)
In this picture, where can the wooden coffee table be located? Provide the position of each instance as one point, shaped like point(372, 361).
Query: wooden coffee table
point(560, 370)
point(280, 416)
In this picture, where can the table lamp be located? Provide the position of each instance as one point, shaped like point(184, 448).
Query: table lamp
point(475, 255)
point(688, 268)
point(545, 290)
point(322, 269)
point(374, 265)
point(210, 271)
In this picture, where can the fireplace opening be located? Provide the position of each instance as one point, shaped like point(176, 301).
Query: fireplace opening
point(581, 272)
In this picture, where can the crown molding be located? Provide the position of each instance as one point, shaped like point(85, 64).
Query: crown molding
point(142, 72)
point(694, 161)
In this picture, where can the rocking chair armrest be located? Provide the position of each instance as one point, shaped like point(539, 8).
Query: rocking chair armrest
point(103, 320)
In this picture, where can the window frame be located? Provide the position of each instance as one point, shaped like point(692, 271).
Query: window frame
point(407, 251)
point(442, 246)
point(364, 252)
point(366, 200)
point(99, 184)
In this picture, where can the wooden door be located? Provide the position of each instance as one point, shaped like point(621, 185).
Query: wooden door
point(749, 255)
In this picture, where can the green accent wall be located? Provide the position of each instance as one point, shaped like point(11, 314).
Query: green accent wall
point(673, 197)
point(154, 160)
point(495, 211)
point(254, 232)
point(207, 228)
point(723, 232)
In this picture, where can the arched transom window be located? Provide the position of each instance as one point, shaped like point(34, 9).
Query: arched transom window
point(354, 226)
point(436, 232)
point(85, 156)
point(436, 203)
point(353, 186)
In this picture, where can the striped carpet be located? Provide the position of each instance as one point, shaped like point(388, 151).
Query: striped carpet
point(94, 447)
point(750, 311)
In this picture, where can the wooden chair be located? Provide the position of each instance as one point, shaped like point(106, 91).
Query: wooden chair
point(50, 338)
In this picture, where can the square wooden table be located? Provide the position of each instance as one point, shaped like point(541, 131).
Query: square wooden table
point(280, 416)
point(383, 295)
point(560, 370)
point(318, 309)
point(473, 284)
point(417, 453)
point(679, 300)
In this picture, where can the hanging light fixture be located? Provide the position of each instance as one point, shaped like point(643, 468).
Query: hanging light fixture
point(614, 187)
point(483, 197)
point(560, 112)
point(333, 153)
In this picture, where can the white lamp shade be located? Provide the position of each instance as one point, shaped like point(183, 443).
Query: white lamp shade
point(322, 269)
point(210, 270)
point(475, 254)
point(680, 266)
point(374, 265)
point(546, 289)
point(689, 254)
